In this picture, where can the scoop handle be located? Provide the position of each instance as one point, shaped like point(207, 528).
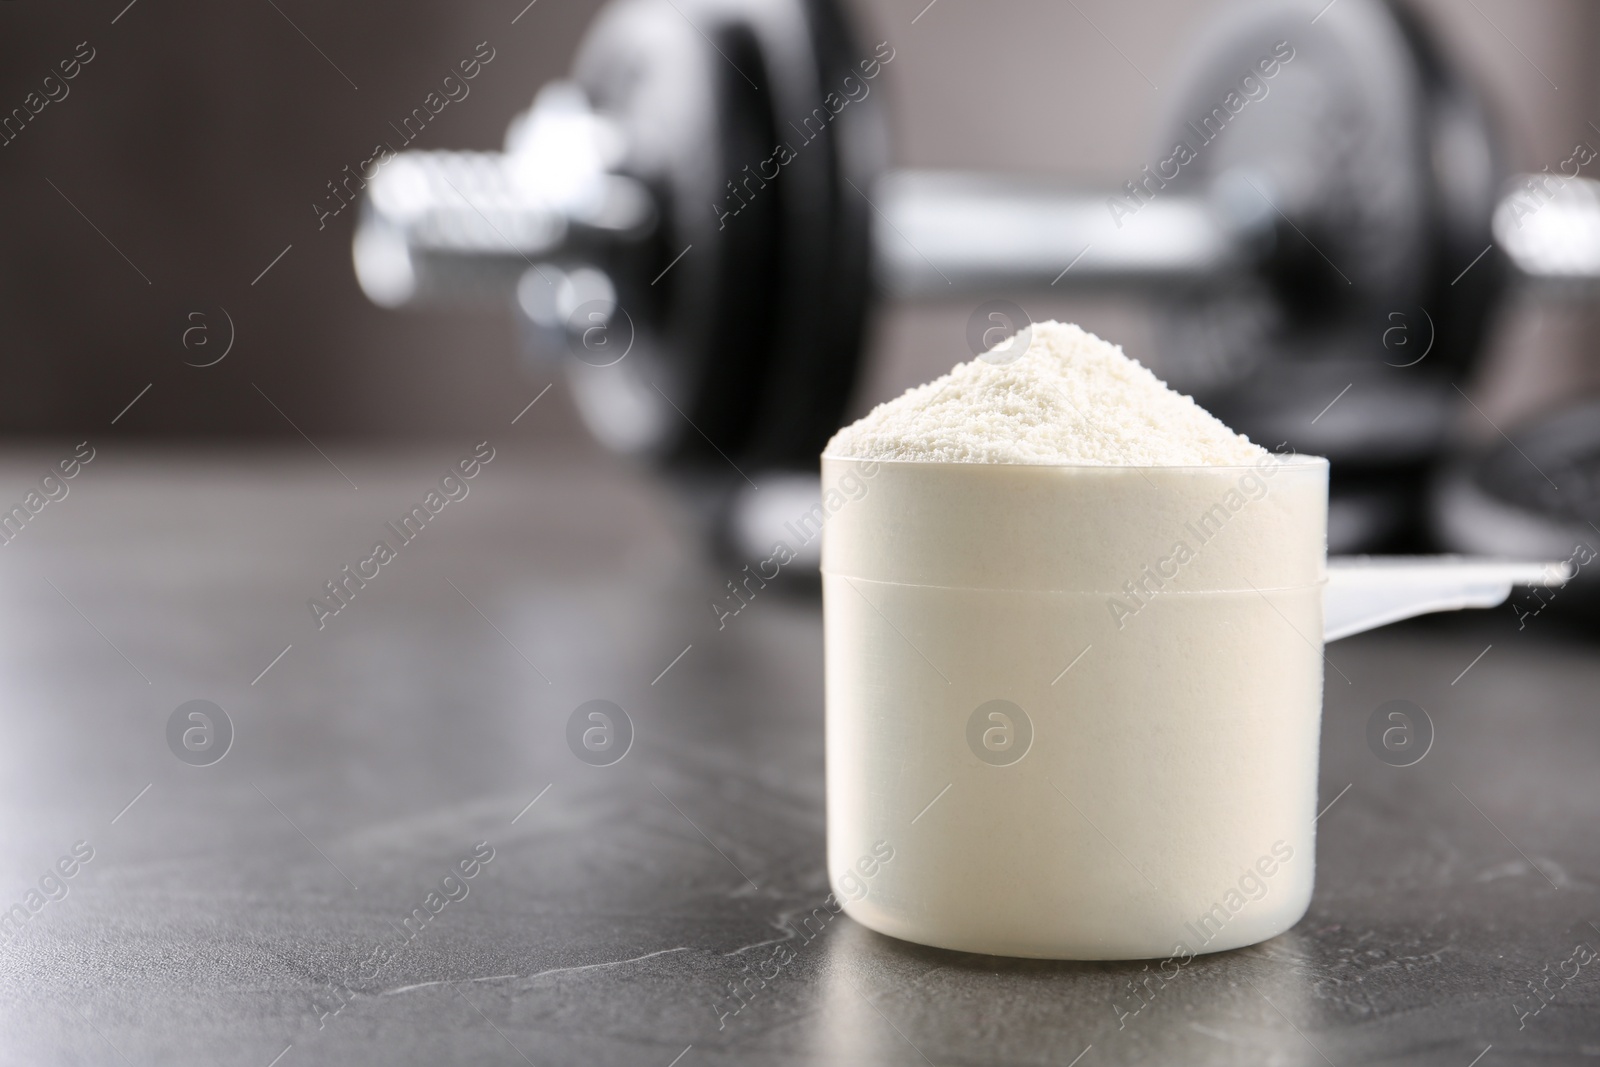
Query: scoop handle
point(1365, 592)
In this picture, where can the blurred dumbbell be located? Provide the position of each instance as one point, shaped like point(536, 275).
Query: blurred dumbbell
point(1532, 494)
point(695, 225)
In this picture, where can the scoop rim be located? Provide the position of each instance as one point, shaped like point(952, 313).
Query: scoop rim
point(1271, 461)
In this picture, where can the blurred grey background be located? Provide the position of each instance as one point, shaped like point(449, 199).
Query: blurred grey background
point(190, 151)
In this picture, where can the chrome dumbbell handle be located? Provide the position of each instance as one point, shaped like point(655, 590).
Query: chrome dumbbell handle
point(466, 226)
point(455, 226)
point(946, 234)
point(942, 234)
point(1550, 229)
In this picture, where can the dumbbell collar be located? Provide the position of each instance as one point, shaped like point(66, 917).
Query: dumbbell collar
point(452, 227)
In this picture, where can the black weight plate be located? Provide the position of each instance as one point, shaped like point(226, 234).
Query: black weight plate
point(675, 83)
point(825, 266)
point(1467, 172)
point(1375, 171)
point(1535, 496)
point(745, 348)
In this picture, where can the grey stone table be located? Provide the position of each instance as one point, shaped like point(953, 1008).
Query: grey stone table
point(304, 900)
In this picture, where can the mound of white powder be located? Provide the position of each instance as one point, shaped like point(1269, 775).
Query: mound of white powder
point(1071, 398)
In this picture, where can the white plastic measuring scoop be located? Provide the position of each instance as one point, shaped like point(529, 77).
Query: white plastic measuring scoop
point(1365, 592)
point(1075, 712)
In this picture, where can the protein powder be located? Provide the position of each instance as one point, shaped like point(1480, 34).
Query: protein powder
point(1074, 666)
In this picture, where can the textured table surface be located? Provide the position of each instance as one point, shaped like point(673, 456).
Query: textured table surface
point(254, 911)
